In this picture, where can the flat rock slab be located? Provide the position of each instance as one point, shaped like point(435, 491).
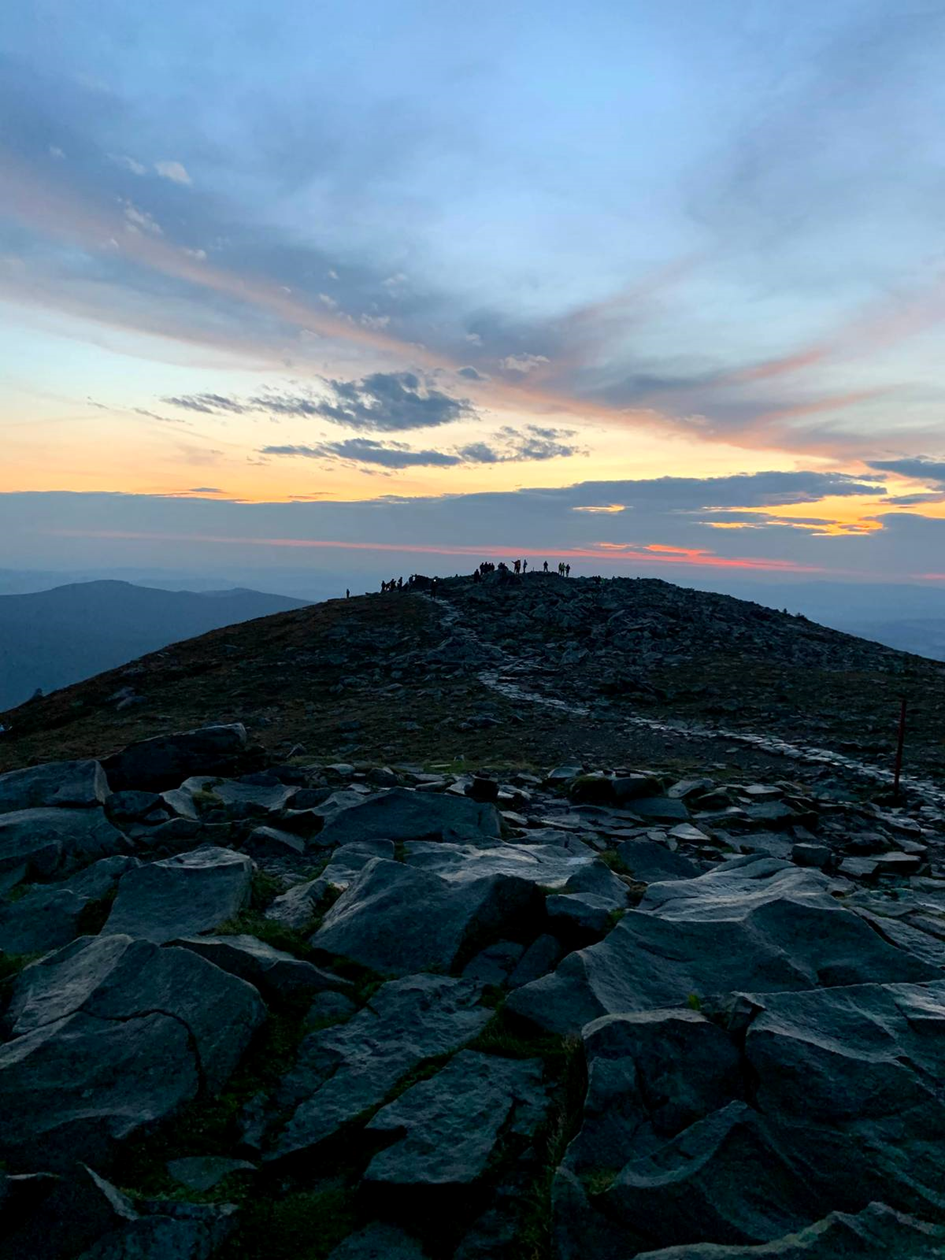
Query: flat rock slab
point(40, 842)
point(54, 784)
point(404, 815)
point(184, 895)
point(262, 798)
point(665, 809)
point(548, 865)
point(651, 862)
point(109, 1035)
point(398, 920)
point(648, 961)
point(736, 886)
point(163, 762)
point(450, 1125)
point(346, 1069)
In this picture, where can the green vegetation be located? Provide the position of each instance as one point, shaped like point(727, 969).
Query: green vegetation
point(306, 1225)
point(12, 964)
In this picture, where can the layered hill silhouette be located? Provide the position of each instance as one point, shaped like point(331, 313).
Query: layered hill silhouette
point(49, 639)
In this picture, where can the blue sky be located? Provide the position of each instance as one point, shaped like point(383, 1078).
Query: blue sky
point(372, 252)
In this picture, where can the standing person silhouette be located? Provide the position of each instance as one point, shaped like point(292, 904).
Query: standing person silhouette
point(546, 566)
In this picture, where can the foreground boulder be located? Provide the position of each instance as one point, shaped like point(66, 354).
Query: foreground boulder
point(51, 915)
point(344, 1070)
point(163, 762)
point(403, 815)
point(41, 842)
point(449, 1127)
point(183, 895)
point(398, 920)
point(109, 1035)
point(54, 784)
point(843, 1106)
point(766, 941)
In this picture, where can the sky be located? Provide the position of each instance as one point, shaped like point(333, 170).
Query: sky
point(649, 288)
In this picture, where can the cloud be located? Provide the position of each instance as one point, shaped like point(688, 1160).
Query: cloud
point(367, 451)
point(918, 468)
point(211, 404)
point(522, 363)
point(140, 221)
point(383, 402)
point(470, 374)
point(662, 524)
point(204, 490)
point(129, 164)
point(153, 415)
point(174, 171)
point(512, 446)
point(507, 446)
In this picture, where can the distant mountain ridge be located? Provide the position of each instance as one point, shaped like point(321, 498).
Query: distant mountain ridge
point(50, 639)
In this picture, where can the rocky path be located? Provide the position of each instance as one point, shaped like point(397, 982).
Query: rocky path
point(518, 679)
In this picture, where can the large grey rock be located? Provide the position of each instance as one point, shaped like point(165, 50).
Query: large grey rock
point(109, 1035)
point(650, 862)
point(397, 920)
point(733, 887)
point(876, 1233)
point(404, 815)
point(348, 1068)
point(40, 842)
point(273, 972)
point(298, 907)
point(764, 945)
point(838, 1100)
point(254, 798)
point(851, 1081)
point(183, 895)
point(56, 783)
point(51, 915)
point(450, 1125)
point(721, 1180)
point(550, 866)
point(650, 1075)
point(580, 917)
point(162, 762)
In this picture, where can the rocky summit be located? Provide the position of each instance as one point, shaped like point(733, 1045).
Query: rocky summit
point(478, 926)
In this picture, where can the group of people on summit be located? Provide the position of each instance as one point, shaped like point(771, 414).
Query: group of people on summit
point(482, 570)
point(518, 566)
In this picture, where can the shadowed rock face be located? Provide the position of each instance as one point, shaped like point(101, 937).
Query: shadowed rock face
point(110, 1035)
point(166, 760)
point(615, 1032)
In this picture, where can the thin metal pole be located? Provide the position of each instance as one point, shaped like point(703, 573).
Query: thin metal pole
point(899, 746)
